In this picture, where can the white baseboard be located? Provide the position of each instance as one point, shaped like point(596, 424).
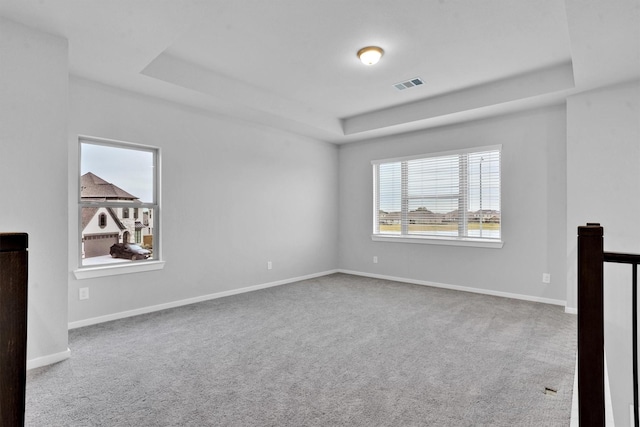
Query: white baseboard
point(150, 309)
point(570, 310)
point(458, 288)
point(49, 359)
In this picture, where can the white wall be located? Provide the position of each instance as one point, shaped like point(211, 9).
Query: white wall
point(603, 185)
point(234, 196)
point(33, 173)
point(533, 210)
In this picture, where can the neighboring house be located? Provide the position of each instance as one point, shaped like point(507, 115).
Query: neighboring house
point(101, 226)
point(389, 218)
point(425, 216)
point(487, 215)
point(452, 216)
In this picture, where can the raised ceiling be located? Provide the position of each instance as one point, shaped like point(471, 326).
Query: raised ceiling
point(291, 64)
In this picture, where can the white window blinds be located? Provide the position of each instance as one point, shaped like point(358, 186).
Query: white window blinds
point(446, 195)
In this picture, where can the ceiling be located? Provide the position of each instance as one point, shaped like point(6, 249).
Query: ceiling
point(292, 65)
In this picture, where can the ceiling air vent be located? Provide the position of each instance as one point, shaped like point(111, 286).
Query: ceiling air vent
point(417, 81)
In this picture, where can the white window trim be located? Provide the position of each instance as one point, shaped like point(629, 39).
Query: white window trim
point(443, 241)
point(115, 269)
point(436, 240)
point(90, 272)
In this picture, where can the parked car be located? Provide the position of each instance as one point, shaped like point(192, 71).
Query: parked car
point(129, 251)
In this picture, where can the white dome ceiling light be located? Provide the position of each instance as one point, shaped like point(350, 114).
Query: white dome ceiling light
point(370, 55)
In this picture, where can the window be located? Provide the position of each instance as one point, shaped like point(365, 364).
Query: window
point(116, 177)
point(102, 220)
point(443, 198)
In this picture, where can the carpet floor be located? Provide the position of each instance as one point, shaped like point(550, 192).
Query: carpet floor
point(338, 350)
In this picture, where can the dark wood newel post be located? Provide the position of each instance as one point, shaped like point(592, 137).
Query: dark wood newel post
point(13, 327)
point(590, 326)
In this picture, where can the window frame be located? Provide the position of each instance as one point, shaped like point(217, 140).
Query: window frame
point(102, 220)
point(126, 267)
point(404, 237)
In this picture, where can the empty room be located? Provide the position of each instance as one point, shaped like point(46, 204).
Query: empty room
point(318, 213)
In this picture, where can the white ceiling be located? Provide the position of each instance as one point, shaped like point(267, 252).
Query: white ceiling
point(291, 64)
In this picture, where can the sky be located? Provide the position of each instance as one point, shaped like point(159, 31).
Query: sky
point(129, 169)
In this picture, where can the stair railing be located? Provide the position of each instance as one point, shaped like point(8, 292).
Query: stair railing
point(591, 259)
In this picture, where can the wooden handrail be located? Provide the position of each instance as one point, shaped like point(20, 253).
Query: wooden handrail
point(621, 258)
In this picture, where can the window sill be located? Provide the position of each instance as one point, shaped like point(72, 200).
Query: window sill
point(468, 242)
point(112, 270)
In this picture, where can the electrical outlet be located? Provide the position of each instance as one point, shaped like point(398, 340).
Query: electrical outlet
point(269, 265)
point(83, 293)
point(375, 259)
point(546, 278)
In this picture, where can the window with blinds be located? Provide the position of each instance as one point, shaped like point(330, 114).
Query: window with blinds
point(452, 195)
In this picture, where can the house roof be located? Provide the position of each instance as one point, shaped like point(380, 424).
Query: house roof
point(87, 214)
point(95, 188)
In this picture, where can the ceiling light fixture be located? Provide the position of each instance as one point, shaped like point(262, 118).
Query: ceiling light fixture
point(370, 55)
